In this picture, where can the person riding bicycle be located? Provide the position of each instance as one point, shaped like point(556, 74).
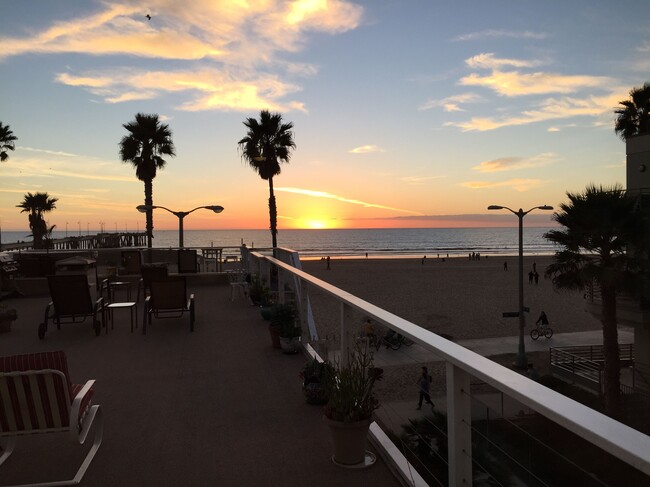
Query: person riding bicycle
point(543, 320)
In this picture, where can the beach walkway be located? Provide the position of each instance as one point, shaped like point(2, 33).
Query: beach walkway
point(488, 347)
point(215, 407)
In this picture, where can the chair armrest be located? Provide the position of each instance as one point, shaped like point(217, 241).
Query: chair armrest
point(75, 408)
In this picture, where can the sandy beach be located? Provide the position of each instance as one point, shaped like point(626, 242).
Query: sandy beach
point(455, 297)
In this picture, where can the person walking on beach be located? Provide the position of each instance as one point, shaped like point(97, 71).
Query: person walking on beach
point(328, 262)
point(505, 265)
point(424, 383)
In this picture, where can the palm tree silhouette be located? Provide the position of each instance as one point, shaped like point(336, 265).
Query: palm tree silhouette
point(147, 141)
point(7, 138)
point(37, 205)
point(598, 224)
point(633, 117)
point(267, 143)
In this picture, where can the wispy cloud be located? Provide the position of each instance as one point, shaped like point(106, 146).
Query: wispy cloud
point(366, 149)
point(515, 163)
point(420, 179)
point(549, 109)
point(500, 34)
point(487, 60)
point(234, 49)
point(207, 88)
point(323, 194)
point(514, 83)
point(520, 185)
point(451, 103)
point(46, 151)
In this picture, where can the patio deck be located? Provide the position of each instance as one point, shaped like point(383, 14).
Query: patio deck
point(215, 407)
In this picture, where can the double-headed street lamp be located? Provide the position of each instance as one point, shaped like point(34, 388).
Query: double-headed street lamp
point(522, 361)
point(180, 215)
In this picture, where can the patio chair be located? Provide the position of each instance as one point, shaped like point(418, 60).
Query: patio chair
point(168, 299)
point(239, 284)
point(37, 397)
point(150, 273)
point(131, 261)
point(71, 303)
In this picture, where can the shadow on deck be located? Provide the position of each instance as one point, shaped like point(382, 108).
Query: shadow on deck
point(215, 407)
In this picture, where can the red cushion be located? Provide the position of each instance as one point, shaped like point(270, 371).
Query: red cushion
point(17, 419)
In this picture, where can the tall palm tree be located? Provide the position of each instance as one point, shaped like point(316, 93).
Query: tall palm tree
point(147, 141)
point(267, 143)
point(599, 224)
point(7, 138)
point(37, 205)
point(633, 116)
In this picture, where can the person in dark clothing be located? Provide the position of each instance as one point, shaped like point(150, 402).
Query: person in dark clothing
point(424, 383)
point(543, 319)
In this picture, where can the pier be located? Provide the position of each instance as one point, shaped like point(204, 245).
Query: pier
point(98, 241)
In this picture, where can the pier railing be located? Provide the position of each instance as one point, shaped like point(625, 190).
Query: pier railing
point(88, 242)
point(463, 367)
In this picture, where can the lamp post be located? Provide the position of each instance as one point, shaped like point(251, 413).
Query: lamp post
point(522, 361)
point(180, 214)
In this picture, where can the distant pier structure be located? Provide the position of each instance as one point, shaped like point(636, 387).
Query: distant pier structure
point(98, 241)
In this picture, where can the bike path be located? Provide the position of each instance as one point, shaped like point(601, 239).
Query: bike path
point(499, 345)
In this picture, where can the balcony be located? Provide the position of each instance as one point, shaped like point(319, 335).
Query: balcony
point(220, 406)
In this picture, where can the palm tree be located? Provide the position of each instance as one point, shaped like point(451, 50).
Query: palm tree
point(633, 117)
point(7, 138)
point(147, 141)
point(267, 143)
point(599, 224)
point(37, 205)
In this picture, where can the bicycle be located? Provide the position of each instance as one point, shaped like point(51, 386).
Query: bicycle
point(393, 340)
point(541, 330)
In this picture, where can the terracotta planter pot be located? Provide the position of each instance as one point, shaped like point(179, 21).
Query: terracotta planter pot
point(349, 441)
point(275, 336)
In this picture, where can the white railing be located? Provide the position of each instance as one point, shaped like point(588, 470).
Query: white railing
point(625, 443)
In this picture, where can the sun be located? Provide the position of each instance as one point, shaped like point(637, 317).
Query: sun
point(315, 224)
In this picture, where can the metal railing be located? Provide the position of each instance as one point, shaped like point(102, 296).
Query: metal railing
point(619, 440)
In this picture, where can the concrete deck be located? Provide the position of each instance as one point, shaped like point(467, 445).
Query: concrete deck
point(215, 407)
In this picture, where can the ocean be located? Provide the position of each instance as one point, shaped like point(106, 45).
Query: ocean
point(387, 242)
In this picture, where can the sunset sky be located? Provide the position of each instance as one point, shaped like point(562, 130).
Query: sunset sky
point(407, 113)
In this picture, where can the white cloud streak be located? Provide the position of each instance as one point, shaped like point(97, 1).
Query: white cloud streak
point(323, 194)
point(500, 34)
point(516, 163)
point(366, 149)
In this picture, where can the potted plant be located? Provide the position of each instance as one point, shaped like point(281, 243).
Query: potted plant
point(314, 375)
point(266, 304)
point(351, 403)
point(7, 316)
point(283, 321)
point(257, 290)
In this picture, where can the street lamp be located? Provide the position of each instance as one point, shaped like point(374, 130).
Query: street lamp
point(180, 214)
point(522, 361)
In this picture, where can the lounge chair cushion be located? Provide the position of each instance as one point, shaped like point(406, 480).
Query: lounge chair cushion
point(65, 392)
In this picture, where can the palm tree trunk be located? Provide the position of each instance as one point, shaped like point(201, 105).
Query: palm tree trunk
point(37, 231)
point(273, 214)
point(148, 201)
point(610, 349)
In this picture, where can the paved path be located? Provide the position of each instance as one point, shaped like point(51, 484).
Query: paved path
point(499, 345)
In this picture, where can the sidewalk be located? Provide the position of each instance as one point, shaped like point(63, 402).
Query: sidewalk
point(499, 345)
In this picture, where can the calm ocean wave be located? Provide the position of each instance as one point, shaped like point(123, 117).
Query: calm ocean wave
point(376, 242)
